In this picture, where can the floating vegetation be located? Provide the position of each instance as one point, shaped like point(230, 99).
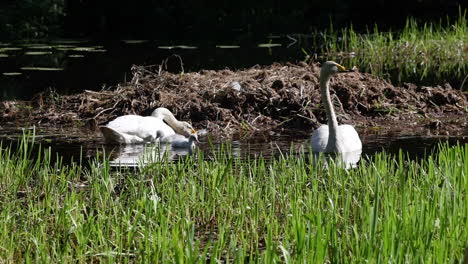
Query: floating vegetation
point(37, 53)
point(70, 41)
point(65, 49)
point(83, 49)
point(40, 47)
point(64, 46)
point(269, 45)
point(10, 49)
point(186, 47)
point(41, 69)
point(11, 73)
point(177, 47)
point(134, 41)
point(227, 46)
point(97, 50)
point(76, 56)
point(90, 49)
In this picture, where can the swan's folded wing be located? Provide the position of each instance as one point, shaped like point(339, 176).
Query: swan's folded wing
point(144, 127)
point(128, 124)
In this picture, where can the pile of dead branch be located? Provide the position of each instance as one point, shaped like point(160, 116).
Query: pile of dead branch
point(260, 98)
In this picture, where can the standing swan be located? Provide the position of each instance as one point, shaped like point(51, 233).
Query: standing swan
point(130, 129)
point(331, 137)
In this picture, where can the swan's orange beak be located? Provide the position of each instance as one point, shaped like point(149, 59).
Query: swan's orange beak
point(342, 68)
point(194, 134)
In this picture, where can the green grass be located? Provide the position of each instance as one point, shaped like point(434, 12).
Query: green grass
point(421, 53)
point(388, 210)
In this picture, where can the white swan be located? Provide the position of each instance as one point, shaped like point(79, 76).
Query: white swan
point(331, 137)
point(131, 129)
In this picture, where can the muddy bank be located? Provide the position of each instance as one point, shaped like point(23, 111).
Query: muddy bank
point(273, 98)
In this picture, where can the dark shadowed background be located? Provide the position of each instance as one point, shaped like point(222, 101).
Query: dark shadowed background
point(163, 19)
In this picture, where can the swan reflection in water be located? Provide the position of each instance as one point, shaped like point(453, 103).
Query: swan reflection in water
point(134, 155)
point(141, 154)
point(166, 148)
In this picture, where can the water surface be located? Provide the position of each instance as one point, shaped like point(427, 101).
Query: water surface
point(71, 66)
point(76, 145)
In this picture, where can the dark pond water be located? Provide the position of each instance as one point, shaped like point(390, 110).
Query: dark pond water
point(76, 145)
point(70, 66)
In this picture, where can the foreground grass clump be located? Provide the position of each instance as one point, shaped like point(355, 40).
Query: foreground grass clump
point(389, 209)
point(428, 53)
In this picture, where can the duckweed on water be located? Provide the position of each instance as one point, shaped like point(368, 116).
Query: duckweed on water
point(227, 46)
point(389, 209)
point(41, 69)
point(33, 53)
point(12, 73)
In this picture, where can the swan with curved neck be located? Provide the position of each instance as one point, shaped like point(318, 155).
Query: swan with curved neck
point(173, 125)
point(333, 137)
point(131, 129)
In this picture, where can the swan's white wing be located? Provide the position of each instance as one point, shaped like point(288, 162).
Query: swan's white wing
point(128, 124)
point(319, 139)
point(348, 139)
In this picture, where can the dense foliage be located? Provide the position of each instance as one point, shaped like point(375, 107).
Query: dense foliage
point(388, 210)
point(418, 53)
point(194, 18)
point(30, 18)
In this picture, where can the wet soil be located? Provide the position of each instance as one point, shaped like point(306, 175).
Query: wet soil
point(275, 99)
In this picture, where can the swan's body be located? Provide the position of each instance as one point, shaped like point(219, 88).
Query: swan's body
point(346, 140)
point(331, 137)
point(131, 129)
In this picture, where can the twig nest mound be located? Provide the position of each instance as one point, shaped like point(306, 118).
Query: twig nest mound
point(275, 97)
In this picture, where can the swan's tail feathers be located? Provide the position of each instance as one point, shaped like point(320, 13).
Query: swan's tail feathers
point(111, 135)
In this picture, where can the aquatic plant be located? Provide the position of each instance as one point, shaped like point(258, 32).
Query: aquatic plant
point(427, 53)
point(220, 208)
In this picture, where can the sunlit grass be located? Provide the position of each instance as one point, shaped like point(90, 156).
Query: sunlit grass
point(389, 209)
point(429, 52)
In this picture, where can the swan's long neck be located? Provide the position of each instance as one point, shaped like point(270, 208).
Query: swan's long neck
point(169, 118)
point(172, 121)
point(331, 117)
